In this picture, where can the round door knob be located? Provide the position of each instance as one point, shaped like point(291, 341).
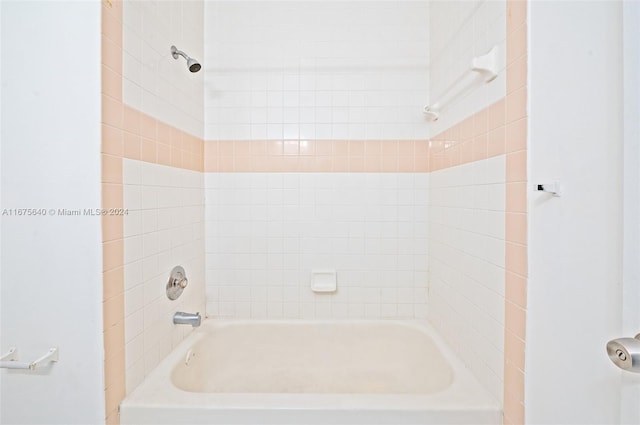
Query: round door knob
point(625, 353)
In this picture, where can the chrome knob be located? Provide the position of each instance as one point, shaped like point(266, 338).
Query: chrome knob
point(625, 353)
point(177, 282)
point(183, 282)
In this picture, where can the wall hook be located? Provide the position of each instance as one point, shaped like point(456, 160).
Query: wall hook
point(552, 188)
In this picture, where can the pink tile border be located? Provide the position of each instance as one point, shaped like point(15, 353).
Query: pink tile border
point(316, 156)
point(516, 249)
point(113, 150)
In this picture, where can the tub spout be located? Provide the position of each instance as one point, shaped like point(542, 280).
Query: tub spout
point(182, 318)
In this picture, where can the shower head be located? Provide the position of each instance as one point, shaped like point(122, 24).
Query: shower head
point(192, 64)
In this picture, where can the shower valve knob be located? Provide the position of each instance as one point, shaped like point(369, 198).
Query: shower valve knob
point(177, 282)
point(183, 283)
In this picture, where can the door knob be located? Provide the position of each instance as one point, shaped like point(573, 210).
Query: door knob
point(625, 353)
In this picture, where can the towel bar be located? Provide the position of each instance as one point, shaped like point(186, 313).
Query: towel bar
point(9, 360)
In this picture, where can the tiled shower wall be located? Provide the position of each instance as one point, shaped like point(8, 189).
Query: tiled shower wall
point(477, 271)
point(319, 103)
point(164, 228)
point(466, 264)
point(303, 152)
point(289, 70)
point(468, 188)
point(266, 232)
point(152, 81)
point(458, 32)
point(152, 167)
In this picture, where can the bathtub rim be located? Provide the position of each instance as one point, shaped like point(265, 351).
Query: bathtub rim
point(158, 390)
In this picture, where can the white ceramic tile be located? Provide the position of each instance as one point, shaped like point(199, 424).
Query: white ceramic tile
point(153, 81)
point(166, 237)
point(133, 300)
point(460, 31)
point(133, 329)
point(133, 249)
point(307, 221)
point(466, 258)
point(308, 73)
point(132, 274)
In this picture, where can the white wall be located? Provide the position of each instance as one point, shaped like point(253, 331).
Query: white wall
point(266, 232)
point(466, 264)
point(164, 228)
point(316, 69)
point(631, 272)
point(575, 255)
point(51, 289)
point(458, 32)
point(152, 81)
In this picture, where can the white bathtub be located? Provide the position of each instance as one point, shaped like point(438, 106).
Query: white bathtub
point(300, 372)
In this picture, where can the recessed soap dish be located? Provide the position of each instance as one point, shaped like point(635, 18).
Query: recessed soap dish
point(323, 280)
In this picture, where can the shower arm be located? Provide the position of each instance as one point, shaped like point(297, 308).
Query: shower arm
point(175, 52)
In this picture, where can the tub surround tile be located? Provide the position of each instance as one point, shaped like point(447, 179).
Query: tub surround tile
point(516, 223)
point(112, 139)
point(267, 231)
point(112, 169)
point(496, 142)
point(111, 83)
point(113, 282)
point(517, 135)
point(345, 87)
point(112, 368)
point(517, 43)
point(127, 133)
point(496, 115)
point(113, 253)
point(165, 228)
point(517, 166)
point(513, 408)
point(516, 107)
point(114, 394)
point(517, 74)
point(516, 228)
point(517, 197)
point(112, 112)
point(113, 310)
point(317, 156)
point(155, 83)
point(466, 261)
point(111, 54)
point(112, 227)
point(516, 290)
point(457, 35)
point(516, 14)
point(500, 128)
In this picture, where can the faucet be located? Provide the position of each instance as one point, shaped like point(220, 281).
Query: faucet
point(182, 318)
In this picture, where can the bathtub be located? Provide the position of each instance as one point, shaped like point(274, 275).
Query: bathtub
point(310, 372)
